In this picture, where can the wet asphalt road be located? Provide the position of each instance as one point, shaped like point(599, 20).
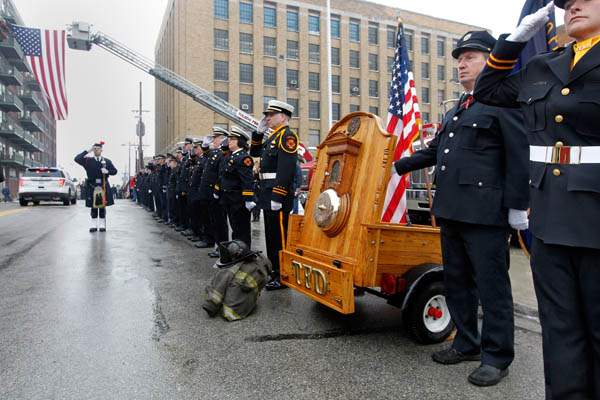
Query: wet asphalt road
point(118, 316)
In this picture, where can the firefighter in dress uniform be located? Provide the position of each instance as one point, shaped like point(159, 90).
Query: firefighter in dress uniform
point(278, 156)
point(235, 186)
point(480, 156)
point(172, 190)
point(559, 94)
point(204, 198)
point(193, 197)
point(97, 169)
point(183, 186)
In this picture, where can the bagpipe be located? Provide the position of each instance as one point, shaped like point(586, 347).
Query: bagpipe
point(99, 199)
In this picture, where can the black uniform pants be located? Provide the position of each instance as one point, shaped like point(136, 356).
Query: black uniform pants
point(172, 200)
point(164, 212)
point(218, 222)
point(475, 269)
point(567, 286)
point(194, 213)
point(239, 219)
point(276, 223)
point(182, 214)
point(157, 201)
point(98, 211)
point(205, 222)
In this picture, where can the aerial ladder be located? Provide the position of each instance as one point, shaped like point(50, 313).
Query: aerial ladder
point(81, 37)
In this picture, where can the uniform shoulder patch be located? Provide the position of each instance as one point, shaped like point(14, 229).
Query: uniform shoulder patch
point(248, 162)
point(289, 142)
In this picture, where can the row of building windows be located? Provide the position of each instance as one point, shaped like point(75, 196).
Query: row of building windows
point(221, 11)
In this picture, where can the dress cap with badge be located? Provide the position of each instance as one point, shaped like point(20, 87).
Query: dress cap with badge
point(276, 106)
point(218, 131)
point(475, 40)
point(188, 140)
point(560, 3)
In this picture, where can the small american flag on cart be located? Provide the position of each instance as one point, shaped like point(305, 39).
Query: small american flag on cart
point(404, 119)
point(45, 51)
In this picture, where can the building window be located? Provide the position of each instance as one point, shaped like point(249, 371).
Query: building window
point(266, 100)
point(270, 46)
point(354, 107)
point(441, 46)
point(222, 95)
point(424, 43)
point(270, 15)
point(335, 56)
point(425, 95)
point(294, 103)
point(455, 43)
point(373, 33)
point(246, 101)
point(374, 110)
point(391, 36)
point(314, 137)
point(454, 74)
point(221, 39)
point(354, 59)
point(425, 116)
point(221, 70)
point(335, 111)
point(373, 62)
point(335, 83)
point(390, 64)
point(246, 43)
point(354, 86)
point(425, 70)
point(314, 109)
point(354, 28)
point(292, 20)
point(270, 76)
point(314, 22)
point(221, 9)
point(246, 13)
point(292, 78)
point(373, 88)
point(246, 73)
point(409, 37)
point(314, 53)
point(441, 96)
point(292, 50)
point(335, 26)
point(314, 81)
point(441, 73)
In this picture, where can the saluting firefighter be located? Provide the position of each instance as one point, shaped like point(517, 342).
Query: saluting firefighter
point(278, 156)
point(183, 186)
point(559, 94)
point(97, 188)
point(236, 186)
point(480, 156)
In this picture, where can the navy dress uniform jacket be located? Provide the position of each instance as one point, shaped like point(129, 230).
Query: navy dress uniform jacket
point(480, 156)
point(210, 175)
point(278, 157)
point(236, 181)
point(560, 105)
point(94, 176)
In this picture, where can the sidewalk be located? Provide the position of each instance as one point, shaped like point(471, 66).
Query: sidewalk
point(522, 284)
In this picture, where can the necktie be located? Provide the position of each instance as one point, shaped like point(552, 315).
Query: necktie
point(466, 103)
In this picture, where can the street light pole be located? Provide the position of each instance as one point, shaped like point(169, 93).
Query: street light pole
point(140, 132)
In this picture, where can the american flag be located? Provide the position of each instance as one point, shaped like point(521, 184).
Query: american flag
point(45, 50)
point(404, 119)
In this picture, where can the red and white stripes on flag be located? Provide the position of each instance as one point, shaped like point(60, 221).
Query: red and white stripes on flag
point(404, 120)
point(45, 51)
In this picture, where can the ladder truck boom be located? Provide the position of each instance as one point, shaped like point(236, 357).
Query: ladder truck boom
point(80, 37)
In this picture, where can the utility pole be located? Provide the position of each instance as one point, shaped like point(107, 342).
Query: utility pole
point(140, 132)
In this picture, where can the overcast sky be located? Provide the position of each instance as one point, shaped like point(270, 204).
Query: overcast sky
point(102, 90)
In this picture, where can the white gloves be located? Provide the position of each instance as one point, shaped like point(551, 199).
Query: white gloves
point(531, 24)
point(216, 196)
point(518, 219)
point(262, 126)
point(250, 205)
point(275, 205)
point(104, 171)
point(149, 191)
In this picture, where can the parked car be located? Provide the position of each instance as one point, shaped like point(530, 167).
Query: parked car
point(46, 184)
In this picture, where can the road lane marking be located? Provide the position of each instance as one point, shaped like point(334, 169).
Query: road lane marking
point(10, 212)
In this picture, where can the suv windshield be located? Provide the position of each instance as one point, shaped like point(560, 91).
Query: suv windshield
point(43, 173)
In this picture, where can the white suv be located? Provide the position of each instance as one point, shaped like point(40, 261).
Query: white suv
point(46, 184)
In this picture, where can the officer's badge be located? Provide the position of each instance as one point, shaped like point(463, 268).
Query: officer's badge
point(248, 161)
point(466, 37)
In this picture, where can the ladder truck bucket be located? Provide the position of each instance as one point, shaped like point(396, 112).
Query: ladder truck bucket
point(80, 36)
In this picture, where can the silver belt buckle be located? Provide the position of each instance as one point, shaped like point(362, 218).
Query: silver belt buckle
point(98, 180)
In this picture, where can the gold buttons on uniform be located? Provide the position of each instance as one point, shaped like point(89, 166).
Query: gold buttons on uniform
point(559, 118)
point(559, 144)
point(565, 92)
point(556, 172)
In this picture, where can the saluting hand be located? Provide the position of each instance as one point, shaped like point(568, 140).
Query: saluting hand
point(531, 24)
point(250, 205)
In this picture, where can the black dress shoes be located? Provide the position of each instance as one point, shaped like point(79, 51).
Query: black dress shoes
point(487, 375)
point(452, 356)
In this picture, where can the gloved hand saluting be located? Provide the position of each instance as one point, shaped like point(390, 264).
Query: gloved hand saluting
point(531, 24)
point(518, 219)
point(275, 205)
point(250, 205)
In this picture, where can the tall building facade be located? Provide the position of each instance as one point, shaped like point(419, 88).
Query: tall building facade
point(250, 51)
point(27, 128)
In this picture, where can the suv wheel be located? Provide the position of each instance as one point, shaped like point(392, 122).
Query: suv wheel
point(23, 203)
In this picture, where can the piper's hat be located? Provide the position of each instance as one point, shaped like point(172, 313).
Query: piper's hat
point(218, 131)
point(99, 144)
point(188, 140)
point(475, 40)
point(238, 133)
point(276, 106)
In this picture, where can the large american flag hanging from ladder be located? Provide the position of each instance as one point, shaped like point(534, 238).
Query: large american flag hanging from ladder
point(45, 51)
point(404, 120)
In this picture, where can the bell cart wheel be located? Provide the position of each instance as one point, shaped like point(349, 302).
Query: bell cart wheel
point(427, 316)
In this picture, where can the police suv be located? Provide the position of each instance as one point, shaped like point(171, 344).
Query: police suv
point(46, 184)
